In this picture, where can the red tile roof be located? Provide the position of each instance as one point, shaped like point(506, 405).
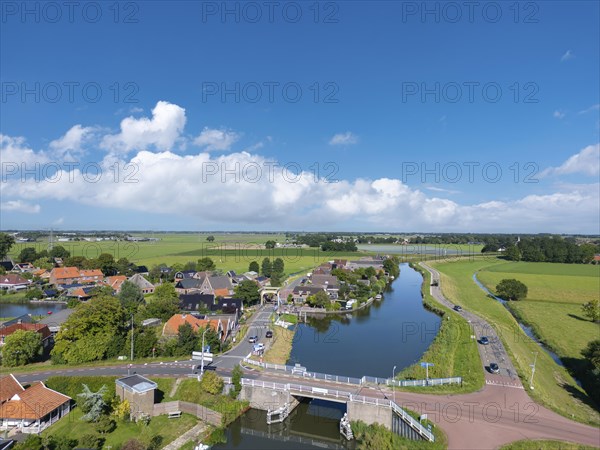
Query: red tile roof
point(62, 273)
point(172, 325)
point(91, 273)
point(32, 403)
point(12, 279)
point(39, 327)
point(9, 386)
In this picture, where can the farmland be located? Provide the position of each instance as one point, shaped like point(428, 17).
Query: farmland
point(554, 386)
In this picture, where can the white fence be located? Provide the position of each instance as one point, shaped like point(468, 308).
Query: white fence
point(347, 396)
point(352, 380)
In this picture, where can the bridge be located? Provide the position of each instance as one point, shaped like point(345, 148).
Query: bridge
point(279, 399)
point(267, 290)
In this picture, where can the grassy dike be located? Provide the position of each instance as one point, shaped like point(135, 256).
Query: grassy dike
point(452, 351)
point(554, 386)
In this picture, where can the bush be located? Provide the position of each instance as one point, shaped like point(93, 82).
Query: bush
point(236, 380)
point(105, 425)
point(211, 383)
point(91, 441)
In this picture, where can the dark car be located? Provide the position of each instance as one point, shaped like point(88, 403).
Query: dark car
point(269, 334)
point(457, 308)
point(253, 339)
point(494, 368)
point(484, 340)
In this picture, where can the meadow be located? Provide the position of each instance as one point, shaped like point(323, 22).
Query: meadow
point(554, 386)
point(229, 251)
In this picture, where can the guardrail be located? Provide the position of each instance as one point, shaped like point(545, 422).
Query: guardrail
point(348, 396)
point(352, 380)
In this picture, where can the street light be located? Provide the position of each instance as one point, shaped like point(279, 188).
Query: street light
point(426, 365)
point(202, 358)
point(393, 390)
point(533, 370)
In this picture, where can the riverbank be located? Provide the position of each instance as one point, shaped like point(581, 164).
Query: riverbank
point(452, 352)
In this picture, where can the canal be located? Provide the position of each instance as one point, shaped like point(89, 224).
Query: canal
point(35, 309)
point(393, 332)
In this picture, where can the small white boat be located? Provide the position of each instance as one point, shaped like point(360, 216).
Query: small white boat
point(378, 297)
point(201, 447)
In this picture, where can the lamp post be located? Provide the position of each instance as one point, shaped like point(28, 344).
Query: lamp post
point(131, 337)
point(393, 390)
point(202, 358)
point(426, 365)
point(533, 370)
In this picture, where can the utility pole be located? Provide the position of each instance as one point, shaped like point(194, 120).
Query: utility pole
point(202, 358)
point(393, 390)
point(131, 337)
point(533, 370)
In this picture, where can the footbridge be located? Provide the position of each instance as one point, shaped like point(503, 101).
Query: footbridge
point(279, 399)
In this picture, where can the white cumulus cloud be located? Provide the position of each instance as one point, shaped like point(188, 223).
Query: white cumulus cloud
point(215, 139)
point(70, 144)
point(20, 206)
point(161, 131)
point(347, 138)
point(586, 162)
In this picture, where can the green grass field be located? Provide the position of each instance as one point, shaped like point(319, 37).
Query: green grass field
point(229, 251)
point(564, 283)
point(544, 445)
point(554, 386)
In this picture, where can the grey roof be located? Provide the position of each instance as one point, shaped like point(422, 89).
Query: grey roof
point(58, 317)
point(310, 290)
point(189, 283)
point(322, 280)
point(137, 383)
point(140, 281)
point(220, 282)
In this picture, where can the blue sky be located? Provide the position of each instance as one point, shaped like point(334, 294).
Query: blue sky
point(159, 70)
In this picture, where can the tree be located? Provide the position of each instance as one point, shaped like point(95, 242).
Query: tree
point(275, 279)
point(591, 310)
point(511, 289)
point(205, 264)
point(211, 383)
point(512, 253)
point(592, 353)
point(34, 293)
point(89, 331)
point(91, 440)
point(6, 243)
point(122, 410)
point(190, 266)
point(28, 254)
point(266, 267)
point(390, 265)
point(21, 347)
point(105, 424)
point(270, 244)
point(254, 267)
point(236, 380)
point(131, 297)
point(278, 266)
point(107, 264)
point(43, 263)
point(248, 291)
point(92, 404)
point(319, 299)
point(164, 304)
point(210, 238)
point(58, 251)
point(186, 339)
point(32, 442)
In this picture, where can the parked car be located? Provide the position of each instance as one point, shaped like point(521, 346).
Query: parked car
point(253, 339)
point(269, 334)
point(457, 308)
point(484, 340)
point(494, 368)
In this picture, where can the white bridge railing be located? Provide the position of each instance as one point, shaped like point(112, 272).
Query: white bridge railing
point(348, 396)
point(352, 380)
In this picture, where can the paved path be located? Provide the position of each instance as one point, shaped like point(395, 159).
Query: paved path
point(189, 435)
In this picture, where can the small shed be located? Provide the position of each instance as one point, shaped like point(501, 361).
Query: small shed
point(139, 391)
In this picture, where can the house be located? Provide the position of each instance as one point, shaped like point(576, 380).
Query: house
point(251, 275)
point(13, 281)
point(42, 329)
point(139, 391)
point(55, 321)
point(24, 267)
point(145, 286)
point(30, 410)
point(183, 274)
point(25, 318)
point(301, 293)
point(44, 274)
point(7, 265)
point(597, 258)
point(200, 302)
point(187, 285)
point(115, 282)
point(64, 275)
point(219, 285)
point(222, 325)
point(142, 270)
point(90, 276)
